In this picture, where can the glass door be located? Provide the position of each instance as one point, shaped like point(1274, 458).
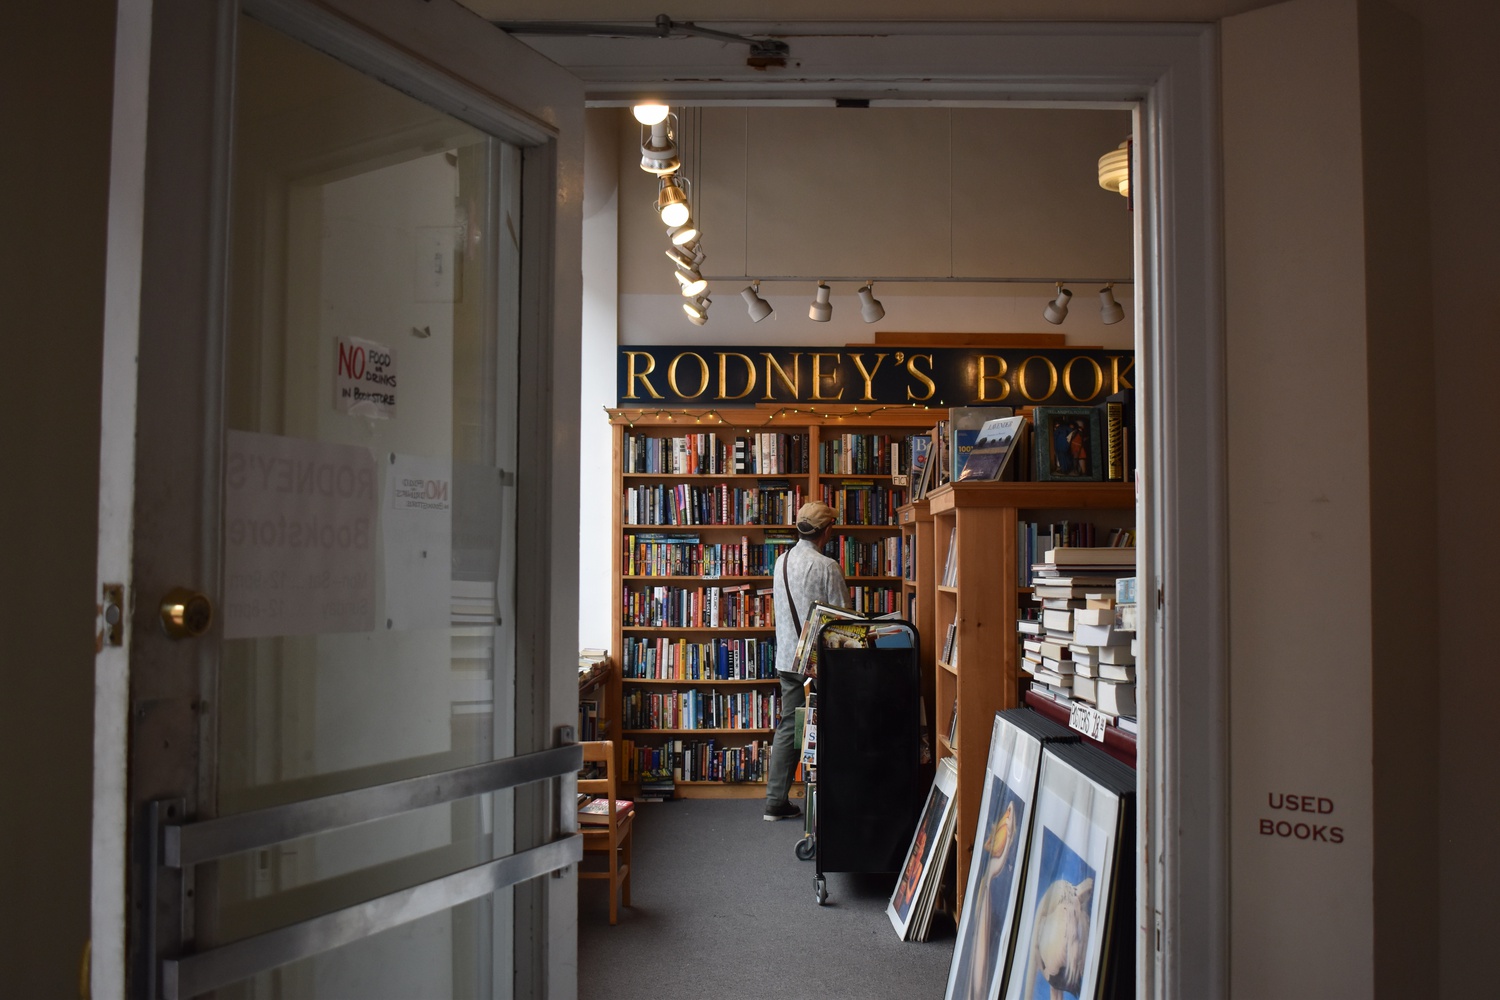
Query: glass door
point(343, 777)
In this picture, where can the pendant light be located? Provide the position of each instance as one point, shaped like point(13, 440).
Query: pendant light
point(1114, 169)
point(672, 202)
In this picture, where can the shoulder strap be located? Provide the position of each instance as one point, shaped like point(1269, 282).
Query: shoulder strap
point(790, 600)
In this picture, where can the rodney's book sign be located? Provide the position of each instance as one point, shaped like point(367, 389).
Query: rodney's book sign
point(931, 376)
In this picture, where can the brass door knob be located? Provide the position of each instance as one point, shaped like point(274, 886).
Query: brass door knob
point(186, 614)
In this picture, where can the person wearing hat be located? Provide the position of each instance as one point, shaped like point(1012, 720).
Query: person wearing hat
point(802, 575)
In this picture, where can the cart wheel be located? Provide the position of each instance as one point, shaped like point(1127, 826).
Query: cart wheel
point(821, 889)
point(805, 849)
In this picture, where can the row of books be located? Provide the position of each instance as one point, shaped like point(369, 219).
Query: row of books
point(863, 502)
point(874, 600)
point(708, 709)
point(860, 454)
point(709, 454)
point(1075, 648)
point(677, 760)
point(1035, 538)
point(655, 554)
point(736, 606)
point(877, 557)
point(717, 659)
point(769, 502)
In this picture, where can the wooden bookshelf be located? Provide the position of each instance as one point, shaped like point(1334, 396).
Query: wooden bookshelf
point(827, 425)
point(916, 586)
point(980, 520)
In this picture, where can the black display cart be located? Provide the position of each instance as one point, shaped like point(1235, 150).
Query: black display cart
point(867, 794)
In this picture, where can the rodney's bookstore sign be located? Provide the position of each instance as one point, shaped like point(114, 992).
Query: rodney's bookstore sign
point(933, 376)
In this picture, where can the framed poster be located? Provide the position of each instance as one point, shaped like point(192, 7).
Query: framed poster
point(987, 924)
point(1068, 441)
point(1070, 865)
point(919, 866)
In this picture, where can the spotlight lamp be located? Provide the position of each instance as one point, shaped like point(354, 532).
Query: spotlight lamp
point(1114, 169)
point(658, 150)
point(869, 306)
point(672, 201)
point(697, 309)
point(1057, 309)
point(691, 281)
point(758, 307)
point(685, 235)
point(651, 114)
point(685, 258)
point(821, 311)
point(1110, 311)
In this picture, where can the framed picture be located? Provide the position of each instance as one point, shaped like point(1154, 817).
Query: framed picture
point(923, 857)
point(1070, 867)
point(1068, 441)
point(988, 920)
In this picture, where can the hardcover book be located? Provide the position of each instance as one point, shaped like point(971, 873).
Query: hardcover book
point(994, 447)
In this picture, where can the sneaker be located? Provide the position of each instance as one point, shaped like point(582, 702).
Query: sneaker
point(784, 811)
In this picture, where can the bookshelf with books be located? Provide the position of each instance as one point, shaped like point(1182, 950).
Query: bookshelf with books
point(706, 503)
point(978, 592)
point(916, 586)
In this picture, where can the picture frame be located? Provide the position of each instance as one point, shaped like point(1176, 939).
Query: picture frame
point(987, 923)
point(923, 861)
point(1070, 867)
point(1068, 444)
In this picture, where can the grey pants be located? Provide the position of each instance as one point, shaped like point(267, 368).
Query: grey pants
point(784, 749)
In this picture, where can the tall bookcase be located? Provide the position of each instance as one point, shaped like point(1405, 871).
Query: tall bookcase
point(916, 585)
point(677, 577)
point(980, 520)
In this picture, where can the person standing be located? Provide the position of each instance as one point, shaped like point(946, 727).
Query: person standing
point(802, 575)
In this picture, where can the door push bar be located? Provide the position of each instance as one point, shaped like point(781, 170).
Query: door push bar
point(172, 845)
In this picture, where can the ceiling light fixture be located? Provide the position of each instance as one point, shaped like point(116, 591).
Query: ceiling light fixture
point(685, 235)
point(821, 311)
point(691, 281)
point(758, 307)
point(1057, 309)
point(1114, 169)
point(672, 201)
point(869, 306)
point(650, 114)
point(697, 309)
point(1110, 311)
point(658, 150)
point(685, 258)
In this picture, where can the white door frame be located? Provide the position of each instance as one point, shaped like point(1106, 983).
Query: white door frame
point(1169, 73)
point(165, 308)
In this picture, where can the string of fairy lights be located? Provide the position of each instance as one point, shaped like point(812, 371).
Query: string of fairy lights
point(744, 418)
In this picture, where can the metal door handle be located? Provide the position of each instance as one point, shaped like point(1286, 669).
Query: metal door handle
point(185, 614)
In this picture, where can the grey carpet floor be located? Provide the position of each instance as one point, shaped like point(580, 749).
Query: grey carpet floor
point(722, 908)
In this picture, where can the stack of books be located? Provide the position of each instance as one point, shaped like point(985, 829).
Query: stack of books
point(1068, 646)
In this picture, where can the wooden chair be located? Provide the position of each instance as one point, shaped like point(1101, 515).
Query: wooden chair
point(611, 839)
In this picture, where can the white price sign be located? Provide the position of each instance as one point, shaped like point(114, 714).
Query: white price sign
point(1088, 721)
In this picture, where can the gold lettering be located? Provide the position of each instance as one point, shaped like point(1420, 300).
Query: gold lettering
point(984, 376)
point(818, 377)
point(868, 376)
point(703, 376)
point(1021, 378)
point(1067, 378)
point(631, 374)
point(911, 368)
point(1117, 377)
point(789, 382)
point(724, 375)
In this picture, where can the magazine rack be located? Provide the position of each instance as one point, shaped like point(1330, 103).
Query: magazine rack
point(869, 745)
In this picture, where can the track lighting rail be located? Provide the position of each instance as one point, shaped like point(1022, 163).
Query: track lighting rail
point(665, 27)
point(935, 280)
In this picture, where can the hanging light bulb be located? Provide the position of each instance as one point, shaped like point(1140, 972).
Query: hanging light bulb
point(821, 311)
point(1057, 309)
point(650, 114)
point(759, 308)
point(697, 309)
point(659, 151)
point(672, 201)
point(1110, 311)
point(869, 306)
